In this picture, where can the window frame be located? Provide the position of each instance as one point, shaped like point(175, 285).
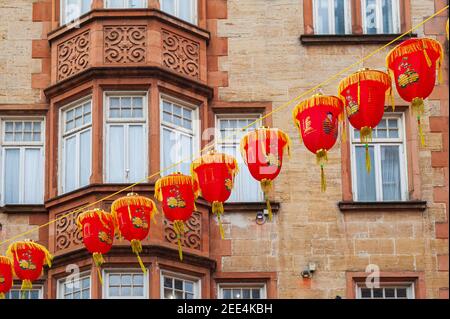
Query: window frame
point(126, 271)
point(38, 287)
point(175, 275)
point(22, 146)
point(60, 284)
point(410, 289)
point(194, 11)
point(218, 143)
point(401, 141)
point(242, 285)
point(106, 2)
point(179, 130)
point(331, 17)
point(126, 122)
point(396, 22)
point(74, 132)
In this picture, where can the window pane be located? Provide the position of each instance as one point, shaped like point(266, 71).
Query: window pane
point(126, 291)
point(366, 293)
point(256, 294)
point(136, 3)
point(370, 17)
point(189, 286)
point(388, 22)
point(126, 280)
point(70, 164)
point(33, 176)
point(189, 296)
point(85, 157)
point(12, 175)
point(226, 293)
point(168, 6)
point(169, 151)
point(138, 291)
point(136, 155)
point(378, 293)
point(186, 154)
point(114, 291)
point(237, 294)
point(401, 293)
point(365, 181)
point(168, 294)
point(339, 16)
point(178, 284)
point(114, 280)
point(116, 153)
point(246, 293)
point(86, 294)
point(390, 169)
point(178, 295)
point(138, 280)
point(322, 23)
point(168, 282)
point(185, 11)
point(115, 3)
point(389, 292)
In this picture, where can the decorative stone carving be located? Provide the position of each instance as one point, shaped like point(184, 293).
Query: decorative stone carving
point(73, 55)
point(193, 235)
point(125, 44)
point(67, 233)
point(180, 54)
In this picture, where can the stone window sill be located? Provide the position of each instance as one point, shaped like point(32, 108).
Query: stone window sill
point(351, 39)
point(250, 207)
point(355, 207)
point(18, 209)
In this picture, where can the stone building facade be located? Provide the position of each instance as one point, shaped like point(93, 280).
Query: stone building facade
point(180, 67)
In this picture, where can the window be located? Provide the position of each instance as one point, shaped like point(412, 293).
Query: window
point(386, 291)
point(381, 16)
point(246, 188)
point(387, 179)
point(242, 291)
point(71, 288)
point(22, 161)
point(16, 293)
point(179, 135)
point(332, 16)
point(76, 146)
point(72, 9)
point(125, 285)
point(183, 9)
point(125, 4)
point(126, 142)
point(179, 287)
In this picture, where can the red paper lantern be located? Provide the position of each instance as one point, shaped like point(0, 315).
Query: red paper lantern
point(132, 215)
point(413, 66)
point(177, 194)
point(29, 259)
point(6, 276)
point(214, 173)
point(318, 121)
point(262, 151)
point(364, 95)
point(98, 234)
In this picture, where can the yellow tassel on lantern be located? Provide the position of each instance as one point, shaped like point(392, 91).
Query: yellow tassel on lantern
point(98, 262)
point(266, 186)
point(2, 295)
point(136, 247)
point(178, 227)
point(218, 210)
point(366, 138)
point(26, 284)
point(321, 159)
point(418, 108)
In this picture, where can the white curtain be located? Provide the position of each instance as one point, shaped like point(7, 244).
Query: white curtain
point(185, 154)
point(12, 175)
point(185, 10)
point(116, 154)
point(33, 187)
point(365, 181)
point(85, 157)
point(136, 153)
point(390, 170)
point(322, 23)
point(168, 6)
point(169, 151)
point(69, 162)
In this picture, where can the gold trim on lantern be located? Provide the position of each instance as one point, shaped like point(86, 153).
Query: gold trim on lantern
point(26, 244)
point(6, 260)
point(174, 179)
point(316, 100)
point(135, 200)
point(262, 132)
point(91, 214)
point(364, 75)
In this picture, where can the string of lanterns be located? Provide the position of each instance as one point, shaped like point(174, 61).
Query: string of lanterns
point(361, 99)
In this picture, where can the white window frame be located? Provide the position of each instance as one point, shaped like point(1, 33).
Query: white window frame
point(241, 285)
point(62, 13)
point(39, 288)
point(126, 271)
point(410, 289)
point(196, 280)
point(21, 146)
point(332, 18)
point(126, 123)
point(227, 142)
point(61, 282)
point(178, 129)
point(77, 131)
point(125, 6)
point(194, 10)
point(401, 141)
point(379, 16)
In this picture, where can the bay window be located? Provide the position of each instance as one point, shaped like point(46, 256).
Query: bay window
point(126, 142)
point(76, 145)
point(179, 135)
point(183, 9)
point(246, 188)
point(72, 9)
point(332, 16)
point(387, 180)
point(381, 16)
point(124, 4)
point(22, 161)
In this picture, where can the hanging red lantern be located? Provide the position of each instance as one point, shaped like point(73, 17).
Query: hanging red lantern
point(215, 173)
point(318, 121)
point(177, 193)
point(132, 215)
point(413, 66)
point(97, 227)
point(363, 94)
point(262, 151)
point(6, 276)
point(29, 259)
